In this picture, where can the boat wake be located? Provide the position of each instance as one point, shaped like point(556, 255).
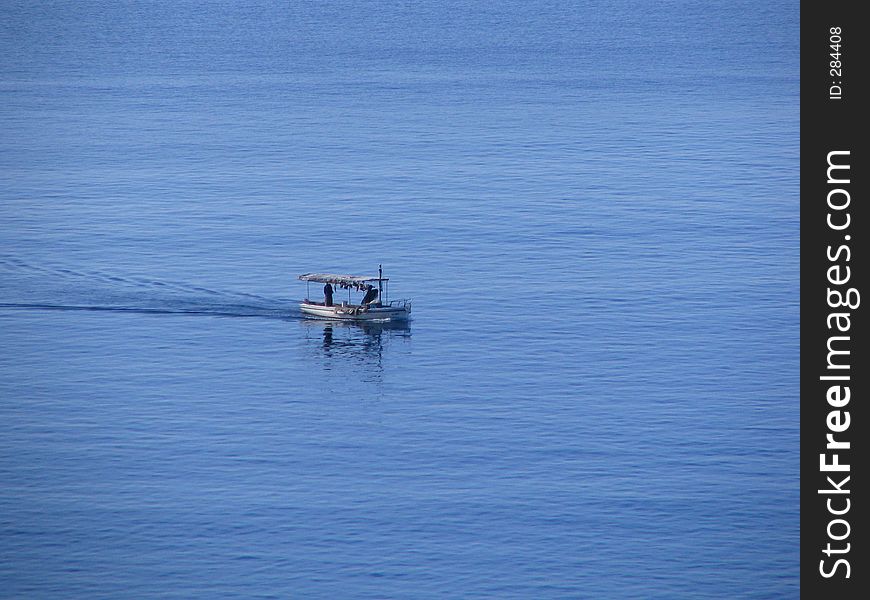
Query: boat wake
point(29, 286)
point(220, 311)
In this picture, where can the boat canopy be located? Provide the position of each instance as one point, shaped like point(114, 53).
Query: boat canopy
point(346, 281)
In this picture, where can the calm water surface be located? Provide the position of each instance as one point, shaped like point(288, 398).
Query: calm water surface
point(593, 206)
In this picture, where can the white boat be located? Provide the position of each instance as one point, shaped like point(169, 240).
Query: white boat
point(374, 306)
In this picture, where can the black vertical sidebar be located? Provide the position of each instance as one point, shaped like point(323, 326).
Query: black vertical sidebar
point(834, 266)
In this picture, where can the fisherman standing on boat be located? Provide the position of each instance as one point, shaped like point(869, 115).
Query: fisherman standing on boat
point(371, 294)
point(327, 293)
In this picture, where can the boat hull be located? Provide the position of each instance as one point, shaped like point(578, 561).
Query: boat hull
point(355, 313)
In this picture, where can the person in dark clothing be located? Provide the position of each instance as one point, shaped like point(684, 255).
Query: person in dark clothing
point(371, 294)
point(327, 293)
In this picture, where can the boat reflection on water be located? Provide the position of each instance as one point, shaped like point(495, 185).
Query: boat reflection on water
point(357, 341)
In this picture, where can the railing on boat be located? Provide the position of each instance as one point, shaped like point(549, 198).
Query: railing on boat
point(402, 303)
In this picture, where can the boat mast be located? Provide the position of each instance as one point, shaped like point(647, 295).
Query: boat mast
point(380, 283)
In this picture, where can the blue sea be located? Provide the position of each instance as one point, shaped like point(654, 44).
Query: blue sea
point(592, 205)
